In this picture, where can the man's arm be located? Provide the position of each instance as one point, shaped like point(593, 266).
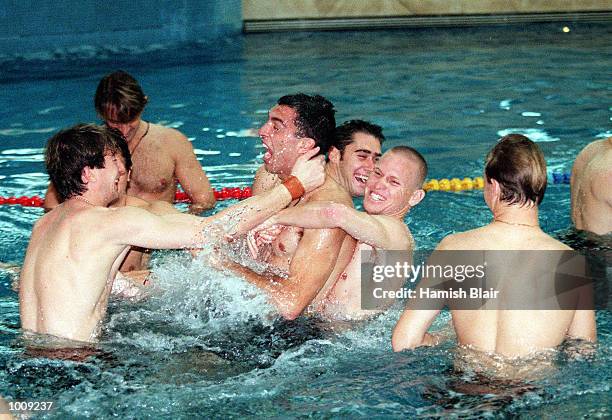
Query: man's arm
point(308, 169)
point(583, 324)
point(264, 180)
point(411, 329)
point(191, 176)
point(51, 198)
point(378, 231)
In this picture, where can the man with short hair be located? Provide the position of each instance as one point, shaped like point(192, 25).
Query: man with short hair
point(306, 257)
point(591, 190)
point(75, 250)
point(161, 155)
point(515, 182)
point(392, 189)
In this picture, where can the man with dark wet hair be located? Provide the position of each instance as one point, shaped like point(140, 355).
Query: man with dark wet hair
point(306, 256)
point(161, 155)
point(75, 250)
point(515, 182)
point(356, 150)
point(591, 189)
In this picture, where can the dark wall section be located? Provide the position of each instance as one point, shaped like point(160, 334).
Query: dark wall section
point(45, 25)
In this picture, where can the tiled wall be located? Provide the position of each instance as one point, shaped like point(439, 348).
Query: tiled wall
point(308, 9)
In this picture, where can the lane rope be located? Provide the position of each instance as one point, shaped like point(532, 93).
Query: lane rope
point(237, 193)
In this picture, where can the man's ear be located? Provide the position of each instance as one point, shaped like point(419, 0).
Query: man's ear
point(334, 154)
point(87, 175)
point(305, 145)
point(496, 189)
point(417, 197)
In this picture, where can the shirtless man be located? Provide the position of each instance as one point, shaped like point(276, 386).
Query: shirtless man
point(161, 156)
point(515, 174)
point(393, 188)
point(306, 257)
point(591, 189)
point(136, 261)
point(355, 150)
point(75, 249)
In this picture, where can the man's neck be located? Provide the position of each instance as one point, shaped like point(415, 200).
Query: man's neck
point(516, 215)
point(332, 171)
point(120, 202)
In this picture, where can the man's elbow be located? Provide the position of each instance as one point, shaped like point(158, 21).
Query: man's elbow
point(204, 202)
point(290, 311)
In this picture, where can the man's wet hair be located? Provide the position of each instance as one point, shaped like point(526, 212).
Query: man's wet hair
point(518, 164)
point(119, 98)
point(73, 149)
point(124, 149)
point(414, 155)
point(346, 131)
point(315, 118)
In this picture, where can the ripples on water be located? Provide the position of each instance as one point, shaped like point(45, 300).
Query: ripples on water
point(205, 343)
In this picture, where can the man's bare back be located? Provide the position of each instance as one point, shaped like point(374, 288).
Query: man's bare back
point(496, 330)
point(515, 183)
point(591, 190)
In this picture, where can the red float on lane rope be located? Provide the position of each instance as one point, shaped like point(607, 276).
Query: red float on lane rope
point(224, 193)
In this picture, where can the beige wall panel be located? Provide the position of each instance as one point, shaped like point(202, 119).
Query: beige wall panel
point(304, 9)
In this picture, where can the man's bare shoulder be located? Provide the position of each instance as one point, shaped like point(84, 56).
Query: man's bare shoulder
point(330, 191)
point(468, 240)
point(136, 202)
point(548, 243)
point(169, 138)
point(400, 230)
point(591, 150)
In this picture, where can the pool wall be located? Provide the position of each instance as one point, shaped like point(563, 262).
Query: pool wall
point(290, 15)
point(47, 25)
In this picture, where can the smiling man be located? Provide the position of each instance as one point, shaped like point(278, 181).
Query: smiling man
point(393, 188)
point(75, 249)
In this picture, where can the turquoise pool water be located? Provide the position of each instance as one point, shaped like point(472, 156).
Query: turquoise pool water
point(203, 344)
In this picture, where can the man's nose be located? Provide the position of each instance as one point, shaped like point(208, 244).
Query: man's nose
point(264, 130)
point(370, 163)
point(123, 128)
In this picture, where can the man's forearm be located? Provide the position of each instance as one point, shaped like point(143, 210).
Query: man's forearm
point(271, 285)
point(255, 210)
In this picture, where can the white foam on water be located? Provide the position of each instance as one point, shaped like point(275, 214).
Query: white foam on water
point(535, 134)
point(174, 124)
point(206, 152)
point(24, 151)
point(530, 114)
point(49, 110)
point(604, 135)
point(245, 132)
point(505, 104)
point(13, 132)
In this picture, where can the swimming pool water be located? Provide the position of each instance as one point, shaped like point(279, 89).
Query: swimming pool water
point(205, 344)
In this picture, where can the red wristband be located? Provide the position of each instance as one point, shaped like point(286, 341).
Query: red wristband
point(295, 187)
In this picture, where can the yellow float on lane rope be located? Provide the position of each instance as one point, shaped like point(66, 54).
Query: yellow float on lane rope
point(454, 184)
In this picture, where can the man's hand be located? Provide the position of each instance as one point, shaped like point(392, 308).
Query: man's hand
point(310, 172)
point(262, 236)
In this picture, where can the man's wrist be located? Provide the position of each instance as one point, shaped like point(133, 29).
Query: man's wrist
point(294, 186)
